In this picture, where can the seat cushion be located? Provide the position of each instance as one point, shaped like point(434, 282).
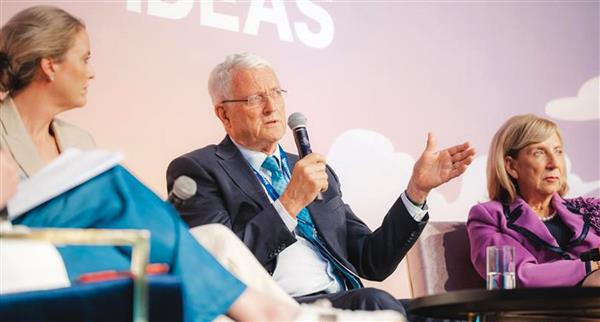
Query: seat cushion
point(109, 301)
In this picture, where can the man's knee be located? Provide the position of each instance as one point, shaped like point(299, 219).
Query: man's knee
point(213, 234)
point(375, 299)
point(215, 230)
point(219, 240)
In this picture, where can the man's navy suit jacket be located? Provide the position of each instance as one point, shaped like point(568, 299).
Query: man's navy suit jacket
point(230, 194)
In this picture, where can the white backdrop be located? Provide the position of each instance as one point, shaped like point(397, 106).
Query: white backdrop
point(373, 77)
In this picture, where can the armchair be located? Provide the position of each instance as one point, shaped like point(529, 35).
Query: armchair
point(440, 260)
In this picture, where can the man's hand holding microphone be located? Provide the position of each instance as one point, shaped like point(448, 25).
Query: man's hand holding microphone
point(309, 176)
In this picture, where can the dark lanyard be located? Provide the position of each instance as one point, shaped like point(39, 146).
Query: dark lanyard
point(286, 172)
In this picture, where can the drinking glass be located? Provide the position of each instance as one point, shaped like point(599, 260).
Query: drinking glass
point(500, 267)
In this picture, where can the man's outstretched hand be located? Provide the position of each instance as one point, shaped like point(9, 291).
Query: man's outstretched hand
point(433, 168)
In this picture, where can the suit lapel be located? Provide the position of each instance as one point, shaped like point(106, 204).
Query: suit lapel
point(525, 220)
point(522, 219)
point(315, 207)
point(236, 167)
point(574, 221)
point(18, 141)
point(325, 221)
point(64, 139)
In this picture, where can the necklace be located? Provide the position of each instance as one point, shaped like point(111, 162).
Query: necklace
point(548, 218)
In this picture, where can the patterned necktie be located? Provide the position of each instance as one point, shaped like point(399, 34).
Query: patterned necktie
point(277, 179)
point(305, 227)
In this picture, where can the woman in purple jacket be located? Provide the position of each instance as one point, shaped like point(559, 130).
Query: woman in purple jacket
point(526, 181)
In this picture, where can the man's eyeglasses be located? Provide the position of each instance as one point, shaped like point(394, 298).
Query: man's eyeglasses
point(276, 95)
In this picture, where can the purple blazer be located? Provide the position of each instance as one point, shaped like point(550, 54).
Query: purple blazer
point(540, 262)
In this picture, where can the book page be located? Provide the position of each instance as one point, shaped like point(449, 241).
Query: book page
point(72, 168)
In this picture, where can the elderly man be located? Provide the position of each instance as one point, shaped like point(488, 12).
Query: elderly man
point(313, 249)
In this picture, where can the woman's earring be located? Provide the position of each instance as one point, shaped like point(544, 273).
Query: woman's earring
point(51, 78)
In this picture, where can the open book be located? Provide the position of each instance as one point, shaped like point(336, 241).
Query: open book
point(72, 168)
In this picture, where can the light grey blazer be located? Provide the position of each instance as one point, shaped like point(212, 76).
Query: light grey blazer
point(15, 139)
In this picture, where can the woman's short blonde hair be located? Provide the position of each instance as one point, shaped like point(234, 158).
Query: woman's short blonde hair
point(516, 133)
point(32, 34)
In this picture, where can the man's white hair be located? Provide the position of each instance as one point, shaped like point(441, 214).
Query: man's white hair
point(219, 82)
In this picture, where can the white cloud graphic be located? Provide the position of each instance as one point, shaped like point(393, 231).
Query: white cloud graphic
point(584, 107)
point(373, 175)
point(578, 187)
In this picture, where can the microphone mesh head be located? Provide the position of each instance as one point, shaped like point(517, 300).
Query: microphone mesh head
point(296, 119)
point(184, 187)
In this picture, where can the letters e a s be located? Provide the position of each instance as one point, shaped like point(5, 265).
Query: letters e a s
point(179, 9)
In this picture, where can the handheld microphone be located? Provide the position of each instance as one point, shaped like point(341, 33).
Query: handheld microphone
point(184, 188)
point(297, 123)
